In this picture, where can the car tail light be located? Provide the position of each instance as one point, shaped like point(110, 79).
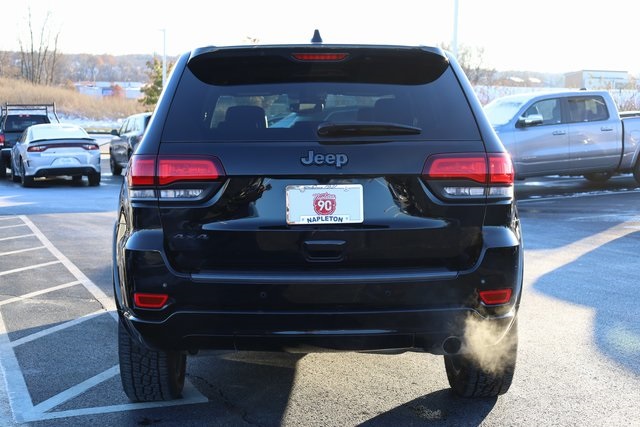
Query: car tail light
point(149, 176)
point(43, 147)
point(153, 301)
point(320, 56)
point(1, 139)
point(174, 169)
point(467, 176)
point(495, 296)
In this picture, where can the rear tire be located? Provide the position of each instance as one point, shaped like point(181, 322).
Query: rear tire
point(27, 181)
point(14, 177)
point(94, 179)
point(470, 378)
point(3, 167)
point(149, 375)
point(115, 168)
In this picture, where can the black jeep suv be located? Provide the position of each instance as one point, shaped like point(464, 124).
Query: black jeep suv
point(318, 197)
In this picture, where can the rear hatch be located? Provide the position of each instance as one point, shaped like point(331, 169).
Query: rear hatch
point(332, 158)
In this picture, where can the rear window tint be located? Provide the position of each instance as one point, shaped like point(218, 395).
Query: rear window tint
point(21, 122)
point(285, 111)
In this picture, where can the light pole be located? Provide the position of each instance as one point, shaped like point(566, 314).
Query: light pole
point(164, 56)
point(454, 40)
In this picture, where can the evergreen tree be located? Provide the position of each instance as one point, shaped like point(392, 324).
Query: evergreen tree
point(153, 89)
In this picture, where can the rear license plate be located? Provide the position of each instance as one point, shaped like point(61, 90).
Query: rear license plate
point(324, 204)
point(65, 161)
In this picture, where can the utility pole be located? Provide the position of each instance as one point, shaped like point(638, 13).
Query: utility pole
point(164, 56)
point(454, 40)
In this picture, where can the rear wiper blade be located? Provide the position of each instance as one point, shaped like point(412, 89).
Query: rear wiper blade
point(366, 129)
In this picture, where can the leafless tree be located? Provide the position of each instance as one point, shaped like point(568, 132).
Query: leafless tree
point(38, 59)
point(471, 59)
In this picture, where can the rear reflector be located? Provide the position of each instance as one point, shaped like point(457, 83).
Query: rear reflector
point(150, 300)
point(320, 56)
point(495, 296)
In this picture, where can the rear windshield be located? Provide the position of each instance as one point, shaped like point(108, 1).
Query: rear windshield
point(292, 110)
point(19, 123)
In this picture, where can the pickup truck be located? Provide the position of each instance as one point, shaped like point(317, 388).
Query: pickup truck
point(573, 132)
point(14, 119)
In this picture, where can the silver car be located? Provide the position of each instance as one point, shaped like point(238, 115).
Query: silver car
point(55, 149)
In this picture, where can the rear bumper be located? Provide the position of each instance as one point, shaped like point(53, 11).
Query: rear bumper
point(295, 311)
point(66, 171)
point(299, 332)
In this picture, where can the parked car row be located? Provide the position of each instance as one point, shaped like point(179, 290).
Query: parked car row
point(34, 144)
point(125, 140)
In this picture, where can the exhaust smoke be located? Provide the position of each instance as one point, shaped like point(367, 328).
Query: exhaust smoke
point(489, 347)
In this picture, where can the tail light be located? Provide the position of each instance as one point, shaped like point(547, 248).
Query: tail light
point(43, 147)
point(37, 148)
point(470, 176)
point(150, 177)
point(1, 140)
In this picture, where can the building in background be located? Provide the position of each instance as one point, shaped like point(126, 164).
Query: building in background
point(129, 90)
point(596, 79)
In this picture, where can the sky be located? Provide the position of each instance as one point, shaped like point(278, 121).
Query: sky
point(551, 36)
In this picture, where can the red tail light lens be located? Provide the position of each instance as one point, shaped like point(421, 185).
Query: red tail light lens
point(1, 139)
point(480, 175)
point(457, 167)
point(154, 301)
point(500, 169)
point(146, 171)
point(172, 169)
point(320, 56)
point(495, 296)
point(142, 171)
point(37, 148)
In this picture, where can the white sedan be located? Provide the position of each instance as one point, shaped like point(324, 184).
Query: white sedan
point(55, 149)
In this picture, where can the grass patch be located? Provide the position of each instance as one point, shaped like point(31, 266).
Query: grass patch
point(68, 101)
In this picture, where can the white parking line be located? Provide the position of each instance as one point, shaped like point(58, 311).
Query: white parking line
point(56, 328)
point(190, 396)
point(30, 267)
point(17, 391)
point(37, 293)
point(12, 226)
point(97, 293)
point(16, 388)
point(15, 237)
point(21, 251)
point(76, 390)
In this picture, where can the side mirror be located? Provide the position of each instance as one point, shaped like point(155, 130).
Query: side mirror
point(114, 132)
point(531, 120)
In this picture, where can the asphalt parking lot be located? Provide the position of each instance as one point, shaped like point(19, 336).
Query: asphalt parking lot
point(54, 304)
point(579, 358)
